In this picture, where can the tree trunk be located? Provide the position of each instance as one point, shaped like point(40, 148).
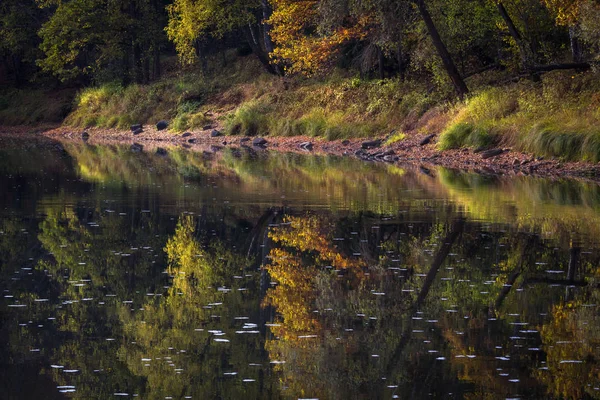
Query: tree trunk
point(524, 50)
point(126, 77)
point(574, 256)
point(402, 62)
point(576, 52)
point(459, 84)
point(18, 70)
point(146, 68)
point(257, 50)
point(137, 63)
point(201, 54)
point(156, 71)
point(268, 43)
point(380, 62)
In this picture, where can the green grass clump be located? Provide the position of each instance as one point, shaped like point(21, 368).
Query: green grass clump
point(395, 137)
point(551, 140)
point(249, 119)
point(478, 118)
point(463, 134)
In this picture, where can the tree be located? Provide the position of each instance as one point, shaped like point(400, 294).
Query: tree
point(101, 39)
point(190, 22)
point(459, 84)
point(19, 23)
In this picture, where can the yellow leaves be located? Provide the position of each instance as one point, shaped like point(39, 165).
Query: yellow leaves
point(566, 11)
point(299, 44)
point(295, 267)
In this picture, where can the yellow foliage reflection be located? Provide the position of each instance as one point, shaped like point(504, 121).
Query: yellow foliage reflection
point(306, 250)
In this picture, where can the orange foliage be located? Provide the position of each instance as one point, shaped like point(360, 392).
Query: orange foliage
point(299, 45)
point(295, 295)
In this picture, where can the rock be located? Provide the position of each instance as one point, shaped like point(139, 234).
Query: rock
point(244, 140)
point(160, 151)
point(345, 142)
point(161, 125)
point(371, 144)
point(425, 170)
point(215, 133)
point(215, 149)
point(186, 134)
point(136, 148)
point(259, 142)
point(307, 146)
point(206, 127)
point(138, 131)
point(85, 136)
point(491, 153)
point(426, 140)
point(516, 162)
point(135, 127)
point(191, 140)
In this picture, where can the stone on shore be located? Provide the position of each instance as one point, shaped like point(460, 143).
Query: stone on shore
point(371, 144)
point(260, 142)
point(426, 140)
point(161, 125)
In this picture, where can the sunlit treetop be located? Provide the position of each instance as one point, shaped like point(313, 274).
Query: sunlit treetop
point(191, 20)
point(303, 44)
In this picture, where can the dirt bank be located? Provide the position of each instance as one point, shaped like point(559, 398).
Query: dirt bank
point(411, 150)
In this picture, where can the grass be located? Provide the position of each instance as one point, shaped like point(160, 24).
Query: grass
point(34, 107)
point(557, 117)
point(395, 137)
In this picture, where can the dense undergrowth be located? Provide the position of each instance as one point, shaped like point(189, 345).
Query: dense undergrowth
point(556, 117)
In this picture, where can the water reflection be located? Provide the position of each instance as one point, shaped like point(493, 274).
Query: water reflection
point(239, 273)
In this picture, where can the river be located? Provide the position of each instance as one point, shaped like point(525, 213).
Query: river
point(244, 273)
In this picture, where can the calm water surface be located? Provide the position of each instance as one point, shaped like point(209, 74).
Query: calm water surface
point(251, 275)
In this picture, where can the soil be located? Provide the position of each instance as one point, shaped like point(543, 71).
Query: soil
point(409, 151)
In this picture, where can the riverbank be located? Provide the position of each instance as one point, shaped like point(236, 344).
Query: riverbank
point(550, 127)
point(411, 151)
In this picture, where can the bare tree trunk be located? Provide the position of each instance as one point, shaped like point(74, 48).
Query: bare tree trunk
point(459, 84)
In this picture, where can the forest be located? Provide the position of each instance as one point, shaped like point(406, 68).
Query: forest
point(522, 73)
